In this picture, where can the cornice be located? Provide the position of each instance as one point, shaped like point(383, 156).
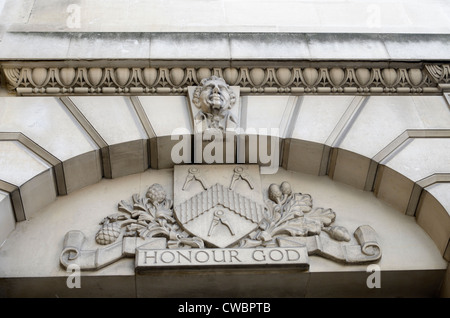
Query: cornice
point(296, 78)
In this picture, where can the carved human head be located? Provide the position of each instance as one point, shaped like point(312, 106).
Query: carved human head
point(214, 95)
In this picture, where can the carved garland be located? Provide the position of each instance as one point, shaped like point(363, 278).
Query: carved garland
point(296, 80)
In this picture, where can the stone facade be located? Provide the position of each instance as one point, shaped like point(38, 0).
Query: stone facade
point(326, 153)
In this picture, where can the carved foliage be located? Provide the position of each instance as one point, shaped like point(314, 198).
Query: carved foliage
point(145, 217)
point(292, 214)
point(288, 214)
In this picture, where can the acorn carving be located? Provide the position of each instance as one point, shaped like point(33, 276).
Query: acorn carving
point(339, 233)
point(286, 188)
point(275, 193)
point(280, 193)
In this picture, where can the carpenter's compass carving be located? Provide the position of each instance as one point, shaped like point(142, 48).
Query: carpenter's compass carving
point(239, 174)
point(219, 217)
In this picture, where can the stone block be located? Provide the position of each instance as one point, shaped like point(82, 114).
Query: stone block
point(433, 216)
point(304, 156)
point(231, 283)
point(82, 170)
point(7, 219)
point(349, 167)
point(393, 188)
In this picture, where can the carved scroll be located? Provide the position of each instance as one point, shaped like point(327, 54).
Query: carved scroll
point(367, 251)
point(73, 252)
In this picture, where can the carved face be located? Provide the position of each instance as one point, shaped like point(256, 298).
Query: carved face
point(214, 95)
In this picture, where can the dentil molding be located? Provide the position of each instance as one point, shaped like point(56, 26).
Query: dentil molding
point(364, 79)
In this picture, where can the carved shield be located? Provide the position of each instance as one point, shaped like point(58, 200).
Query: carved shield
point(221, 204)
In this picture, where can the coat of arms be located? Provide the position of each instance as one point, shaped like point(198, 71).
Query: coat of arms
point(220, 214)
point(219, 204)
